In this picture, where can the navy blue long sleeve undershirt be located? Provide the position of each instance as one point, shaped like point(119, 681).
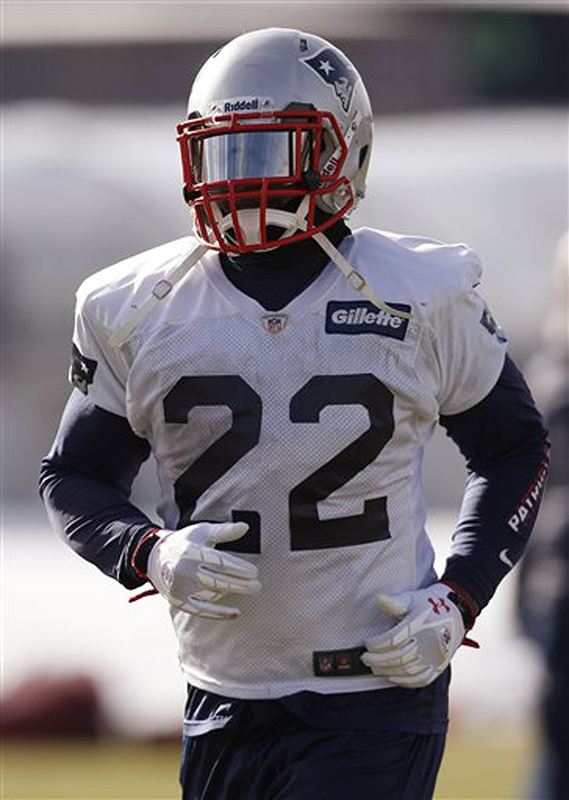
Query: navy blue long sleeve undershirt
point(504, 442)
point(86, 480)
point(87, 477)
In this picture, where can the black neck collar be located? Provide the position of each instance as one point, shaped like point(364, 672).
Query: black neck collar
point(289, 256)
point(274, 278)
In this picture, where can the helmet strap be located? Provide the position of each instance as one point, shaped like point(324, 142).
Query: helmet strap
point(249, 219)
point(159, 291)
point(354, 278)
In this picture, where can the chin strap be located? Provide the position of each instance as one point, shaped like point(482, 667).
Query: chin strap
point(164, 286)
point(248, 218)
point(357, 281)
point(159, 291)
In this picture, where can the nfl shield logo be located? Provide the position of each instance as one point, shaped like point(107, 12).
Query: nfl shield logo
point(325, 663)
point(274, 323)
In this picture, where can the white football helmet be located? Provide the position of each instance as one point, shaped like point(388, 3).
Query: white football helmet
point(276, 148)
point(279, 130)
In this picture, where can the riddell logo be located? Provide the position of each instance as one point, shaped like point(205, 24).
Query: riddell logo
point(361, 316)
point(241, 104)
point(330, 166)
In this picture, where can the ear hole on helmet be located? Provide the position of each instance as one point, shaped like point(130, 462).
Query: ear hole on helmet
point(362, 156)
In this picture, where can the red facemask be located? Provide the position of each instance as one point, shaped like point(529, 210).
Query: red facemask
point(253, 179)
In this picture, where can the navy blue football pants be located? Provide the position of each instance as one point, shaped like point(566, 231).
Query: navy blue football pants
point(275, 756)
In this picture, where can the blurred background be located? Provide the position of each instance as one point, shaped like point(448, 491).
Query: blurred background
point(470, 145)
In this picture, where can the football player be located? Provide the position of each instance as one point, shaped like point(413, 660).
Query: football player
point(287, 372)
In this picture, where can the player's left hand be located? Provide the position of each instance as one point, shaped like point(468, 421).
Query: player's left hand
point(421, 645)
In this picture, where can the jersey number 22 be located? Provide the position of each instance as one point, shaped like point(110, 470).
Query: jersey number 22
point(307, 531)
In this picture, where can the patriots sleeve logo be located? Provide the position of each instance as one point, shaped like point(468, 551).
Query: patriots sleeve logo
point(82, 370)
point(335, 73)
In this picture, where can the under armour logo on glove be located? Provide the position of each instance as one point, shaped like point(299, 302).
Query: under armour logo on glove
point(420, 646)
point(439, 604)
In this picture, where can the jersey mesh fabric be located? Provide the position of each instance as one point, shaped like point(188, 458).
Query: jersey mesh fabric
point(290, 402)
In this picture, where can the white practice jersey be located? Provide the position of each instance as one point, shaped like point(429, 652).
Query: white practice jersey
point(309, 423)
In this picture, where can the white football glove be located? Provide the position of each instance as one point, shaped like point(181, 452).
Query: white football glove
point(421, 645)
point(185, 568)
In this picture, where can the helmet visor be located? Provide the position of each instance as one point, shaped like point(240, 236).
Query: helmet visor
point(251, 155)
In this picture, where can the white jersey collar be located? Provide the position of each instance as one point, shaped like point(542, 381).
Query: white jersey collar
point(298, 306)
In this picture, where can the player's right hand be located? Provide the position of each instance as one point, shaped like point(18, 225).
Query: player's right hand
point(186, 569)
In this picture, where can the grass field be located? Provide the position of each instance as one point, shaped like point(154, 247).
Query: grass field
point(478, 768)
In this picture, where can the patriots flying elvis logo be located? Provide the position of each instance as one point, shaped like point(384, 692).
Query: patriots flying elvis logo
point(335, 72)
